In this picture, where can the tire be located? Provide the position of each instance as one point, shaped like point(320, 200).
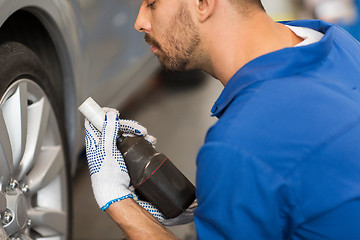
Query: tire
point(34, 168)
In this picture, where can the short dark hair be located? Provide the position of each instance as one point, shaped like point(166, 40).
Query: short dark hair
point(245, 5)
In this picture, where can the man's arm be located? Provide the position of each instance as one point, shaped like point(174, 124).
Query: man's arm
point(110, 181)
point(136, 222)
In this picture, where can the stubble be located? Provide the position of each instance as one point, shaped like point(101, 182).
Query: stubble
point(179, 43)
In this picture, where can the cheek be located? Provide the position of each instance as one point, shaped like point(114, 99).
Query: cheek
point(162, 22)
point(164, 37)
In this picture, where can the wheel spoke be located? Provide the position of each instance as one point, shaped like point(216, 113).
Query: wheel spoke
point(47, 167)
point(15, 115)
point(2, 203)
point(25, 237)
point(6, 163)
point(38, 115)
point(2, 232)
point(48, 222)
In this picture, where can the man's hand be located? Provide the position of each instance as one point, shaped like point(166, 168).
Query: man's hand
point(186, 217)
point(131, 128)
point(109, 175)
point(108, 171)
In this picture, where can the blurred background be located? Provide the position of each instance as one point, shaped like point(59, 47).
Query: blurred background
point(176, 110)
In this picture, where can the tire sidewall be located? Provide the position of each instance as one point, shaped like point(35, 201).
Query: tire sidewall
point(19, 62)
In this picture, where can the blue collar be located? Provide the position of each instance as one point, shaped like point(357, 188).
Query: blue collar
point(281, 63)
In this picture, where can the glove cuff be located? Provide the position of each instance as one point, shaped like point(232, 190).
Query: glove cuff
point(106, 194)
point(107, 205)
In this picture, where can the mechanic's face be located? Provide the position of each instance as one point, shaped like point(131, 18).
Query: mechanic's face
point(168, 27)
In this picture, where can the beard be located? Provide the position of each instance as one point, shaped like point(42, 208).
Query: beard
point(182, 38)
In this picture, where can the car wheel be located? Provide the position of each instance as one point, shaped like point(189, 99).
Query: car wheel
point(34, 171)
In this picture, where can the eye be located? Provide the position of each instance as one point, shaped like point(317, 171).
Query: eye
point(151, 5)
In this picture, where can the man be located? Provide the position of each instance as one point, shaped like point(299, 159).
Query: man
point(283, 160)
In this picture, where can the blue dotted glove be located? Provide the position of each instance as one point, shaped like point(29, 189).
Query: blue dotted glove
point(186, 217)
point(109, 175)
point(131, 128)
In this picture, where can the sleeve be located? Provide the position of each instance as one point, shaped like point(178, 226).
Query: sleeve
point(239, 196)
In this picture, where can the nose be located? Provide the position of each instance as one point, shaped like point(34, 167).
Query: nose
point(142, 23)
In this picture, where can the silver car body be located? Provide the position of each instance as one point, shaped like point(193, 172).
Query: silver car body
point(53, 55)
point(101, 54)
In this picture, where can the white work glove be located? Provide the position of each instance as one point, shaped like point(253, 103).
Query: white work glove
point(186, 217)
point(131, 128)
point(109, 176)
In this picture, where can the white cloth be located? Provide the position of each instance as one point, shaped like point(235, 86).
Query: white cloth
point(309, 35)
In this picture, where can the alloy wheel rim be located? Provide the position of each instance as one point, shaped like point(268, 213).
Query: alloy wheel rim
point(33, 196)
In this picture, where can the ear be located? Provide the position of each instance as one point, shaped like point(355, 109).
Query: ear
point(204, 9)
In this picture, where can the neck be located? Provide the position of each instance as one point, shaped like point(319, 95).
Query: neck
point(233, 42)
